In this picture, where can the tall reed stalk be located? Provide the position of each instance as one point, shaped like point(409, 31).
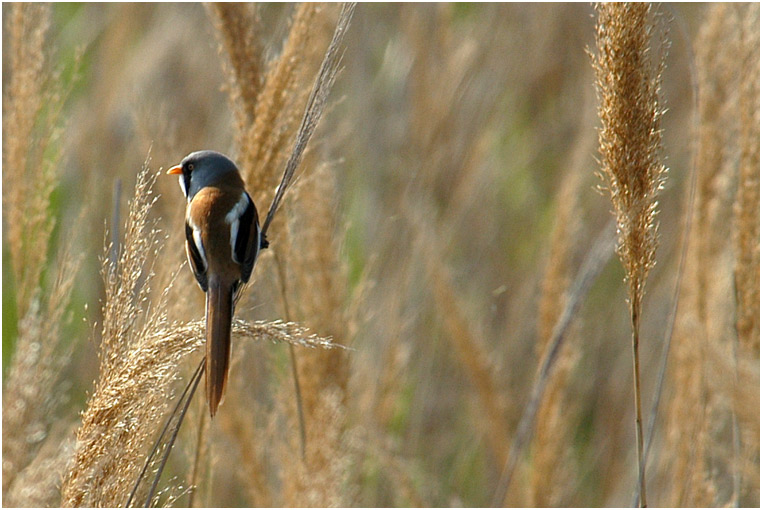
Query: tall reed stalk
point(31, 106)
point(630, 142)
point(33, 437)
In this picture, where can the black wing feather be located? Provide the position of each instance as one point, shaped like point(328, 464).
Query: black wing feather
point(197, 263)
point(246, 245)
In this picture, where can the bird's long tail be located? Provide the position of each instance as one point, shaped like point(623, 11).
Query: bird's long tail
point(219, 315)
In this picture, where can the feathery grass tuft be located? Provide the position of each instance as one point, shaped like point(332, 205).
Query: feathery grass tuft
point(315, 105)
point(630, 144)
point(31, 109)
point(630, 135)
point(32, 390)
point(273, 110)
point(136, 367)
point(32, 101)
point(703, 325)
point(237, 29)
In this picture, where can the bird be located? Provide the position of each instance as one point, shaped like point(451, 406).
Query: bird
point(222, 242)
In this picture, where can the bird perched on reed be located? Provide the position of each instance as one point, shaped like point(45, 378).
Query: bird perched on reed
point(222, 241)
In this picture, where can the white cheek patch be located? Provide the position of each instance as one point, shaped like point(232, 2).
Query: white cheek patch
point(182, 185)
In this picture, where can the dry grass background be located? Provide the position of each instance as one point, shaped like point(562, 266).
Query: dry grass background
point(440, 216)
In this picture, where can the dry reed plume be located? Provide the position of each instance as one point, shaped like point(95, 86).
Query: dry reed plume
point(694, 334)
point(714, 454)
point(32, 393)
point(136, 367)
point(238, 30)
point(630, 143)
point(315, 292)
point(269, 96)
point(31, 105)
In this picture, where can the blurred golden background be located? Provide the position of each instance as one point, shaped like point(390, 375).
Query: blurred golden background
point(442, 213)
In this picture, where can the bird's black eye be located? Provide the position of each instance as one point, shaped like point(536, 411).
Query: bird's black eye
point(190, 167)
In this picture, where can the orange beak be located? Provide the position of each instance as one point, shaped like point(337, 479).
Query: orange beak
point(177, 169)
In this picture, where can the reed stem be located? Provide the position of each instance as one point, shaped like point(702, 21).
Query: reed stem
point(638, 407)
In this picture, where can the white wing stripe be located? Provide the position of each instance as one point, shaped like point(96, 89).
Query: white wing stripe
point(234, 238)
point(200, 246)
point(259, 241)
point(238, 209)
point(197, 241)
point(233, 219)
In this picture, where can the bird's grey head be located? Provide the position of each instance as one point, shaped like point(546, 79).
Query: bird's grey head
point(203, 168)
